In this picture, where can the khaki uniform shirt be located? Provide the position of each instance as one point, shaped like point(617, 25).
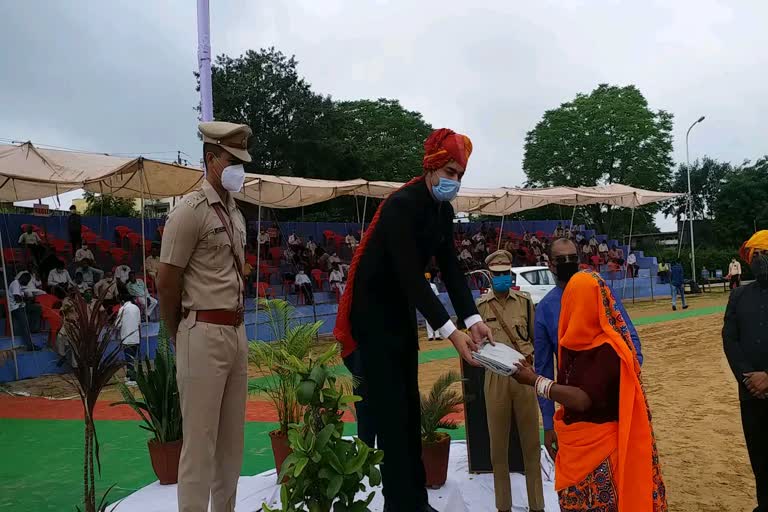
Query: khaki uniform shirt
point(151, 265)
point(517, 311)
point(195, 240)
point(105, 290)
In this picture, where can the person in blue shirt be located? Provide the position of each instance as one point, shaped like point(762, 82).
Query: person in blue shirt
point(564, 263)
point(677, 284)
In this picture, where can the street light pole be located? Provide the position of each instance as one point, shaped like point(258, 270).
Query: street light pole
point(690, 197)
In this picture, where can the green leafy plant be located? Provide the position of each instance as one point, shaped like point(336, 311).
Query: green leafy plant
point(90, 333)
point(325, 471)
point(292, 341)
point(159, 405)
point(441, 401)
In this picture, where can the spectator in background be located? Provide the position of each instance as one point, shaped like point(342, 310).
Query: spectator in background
point(335, 278)
point(479, 237)
point(632, 265)
point(526, 237)
point(83, 254)
point(663, 271)
point(289, 254)
point(122, 272)
point(129, 325)
point(334, 259)
point(75, 229)
point(138, 290)
point(465, 256)
point(558, 233)
point(264, 243)
point(586, 253)
point(91, 275)
point(250, 276)
point(304, 285)
point(106, 290)
point(351, 241)
point(59, 278)
point(323, 259)
point(17, 307)
point(677, 282)
point(31, 240)
point(294, 241)
point(152, 263)
point(311, 245)
point(619, 255)
point(579, 237)
point(734, 271)
point(33, 288)
point(612, 255)
point(602, 250)
point(80, 285)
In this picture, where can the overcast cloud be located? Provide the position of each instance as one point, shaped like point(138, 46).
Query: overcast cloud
point(117, 77)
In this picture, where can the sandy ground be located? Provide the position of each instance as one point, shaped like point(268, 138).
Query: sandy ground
point(693, 399)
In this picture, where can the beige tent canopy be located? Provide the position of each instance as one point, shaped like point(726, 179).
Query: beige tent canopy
point(289, 192)
point(28, 172)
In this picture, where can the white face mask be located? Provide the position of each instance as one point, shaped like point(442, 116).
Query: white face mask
point(233, 177)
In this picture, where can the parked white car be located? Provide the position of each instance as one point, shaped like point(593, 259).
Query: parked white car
point(537, 281)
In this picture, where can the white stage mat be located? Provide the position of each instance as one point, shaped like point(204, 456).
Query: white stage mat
point(463, 492)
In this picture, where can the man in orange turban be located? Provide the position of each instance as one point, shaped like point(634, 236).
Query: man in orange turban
point(376, 322)
point(745, 341)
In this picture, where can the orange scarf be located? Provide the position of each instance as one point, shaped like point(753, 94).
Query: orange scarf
point(588, 319)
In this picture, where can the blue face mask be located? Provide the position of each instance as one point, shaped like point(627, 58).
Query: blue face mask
point(446, 190)
point(502, 284)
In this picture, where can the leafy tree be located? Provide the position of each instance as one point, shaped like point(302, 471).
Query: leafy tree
point(707, 177)
point(107, 205)
point(607, 136)
point(740, 207)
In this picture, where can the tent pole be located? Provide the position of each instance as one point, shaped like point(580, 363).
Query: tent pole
point(144, 263)
point(501, 233)
point(362, 224)
point(8, 309)
point(629, 250)
point(258, 263)
point(357, 207)
point(573, 217)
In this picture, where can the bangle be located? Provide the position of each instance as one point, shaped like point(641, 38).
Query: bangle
point(543, 387)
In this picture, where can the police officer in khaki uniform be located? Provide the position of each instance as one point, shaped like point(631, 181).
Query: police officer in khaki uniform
point(509, 313)
point(201, 302)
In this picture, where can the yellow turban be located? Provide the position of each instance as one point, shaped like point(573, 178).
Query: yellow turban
point(758, 241)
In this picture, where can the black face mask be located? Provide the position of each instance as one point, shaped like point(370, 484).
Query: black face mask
point(565, 270)
point(760, 268)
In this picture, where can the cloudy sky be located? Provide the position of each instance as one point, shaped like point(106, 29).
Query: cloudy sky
point(117, 76)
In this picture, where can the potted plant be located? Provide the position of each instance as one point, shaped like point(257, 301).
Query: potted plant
point(160, 408)
point(436, 446)
point(324, 470)
point(89, 332)
point(279, 383)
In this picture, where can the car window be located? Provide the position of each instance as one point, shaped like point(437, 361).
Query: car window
point(532, 276)
point(547, 277)
point(539, 277)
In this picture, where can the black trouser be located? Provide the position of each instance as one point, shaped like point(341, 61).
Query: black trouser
point(21, 326)
point(366, 430)
point(306, 290)
point(76, 239)
point(754, 420)
point(390, 368)
point(735, 281)
point(131, 353)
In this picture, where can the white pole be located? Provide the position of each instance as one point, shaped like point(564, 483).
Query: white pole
point(204, 60)
point(690, 198)
point(258, 262)
point(573, 217)
point(7, 297)
point(362, 224)
point(144, 265)
point(501, 232)
point(629, 250)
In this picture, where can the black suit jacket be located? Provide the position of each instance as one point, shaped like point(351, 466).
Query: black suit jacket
point(389, 284)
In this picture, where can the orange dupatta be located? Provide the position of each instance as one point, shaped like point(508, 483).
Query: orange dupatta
point(589, 318)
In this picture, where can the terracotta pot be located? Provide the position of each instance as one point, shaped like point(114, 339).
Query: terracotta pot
point(280, 448)
point(435, 458)
point(165, 460)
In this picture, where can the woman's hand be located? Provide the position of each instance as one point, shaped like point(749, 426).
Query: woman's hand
point(525, 374)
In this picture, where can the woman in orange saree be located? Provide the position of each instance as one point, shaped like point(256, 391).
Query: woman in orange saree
point(607, 459)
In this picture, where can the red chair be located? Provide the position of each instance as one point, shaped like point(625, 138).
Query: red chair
point(60, 246)
point(595, 263)
point(319, 277)
point(122, 231)
point(4, 304)
point(151, 288)
point(90, 237)
point(275, 253)
point(54, 320)
point(47, 300)
point(264, 291)
point(118, 255)
point(133, 239)
point(266, 270)
point(288, 286)
point(10, 255)
point(328, 235)
point(104, 245)
point(251, 259)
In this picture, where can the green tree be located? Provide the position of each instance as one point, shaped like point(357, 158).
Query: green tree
point(607, 136)
point(109, 206)
point(707, 177)
point(740, 207)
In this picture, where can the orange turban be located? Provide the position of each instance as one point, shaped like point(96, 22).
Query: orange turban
point(444, 145)
point(758, 241)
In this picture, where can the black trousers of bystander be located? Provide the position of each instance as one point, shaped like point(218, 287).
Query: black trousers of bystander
point(754, 421)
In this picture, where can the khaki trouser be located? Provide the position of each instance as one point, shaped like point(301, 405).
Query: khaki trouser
point(502, 396)
point(212, 371)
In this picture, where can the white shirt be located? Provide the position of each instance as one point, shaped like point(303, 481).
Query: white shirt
point(58, 277)
point(311, 246)
point(263, 238)
point(29, 238)
point(603, 247)
point(465, 255)
point(466, 243)
point(593, 241)
point(301, 279)
point(334, 259)
point(121, 273)
point(14, 289)
point(734, 268)
point(82, 254)
point(129, 320)
point(293, 240)
point(351, 240)
point(631, 259)
point(336, 276)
